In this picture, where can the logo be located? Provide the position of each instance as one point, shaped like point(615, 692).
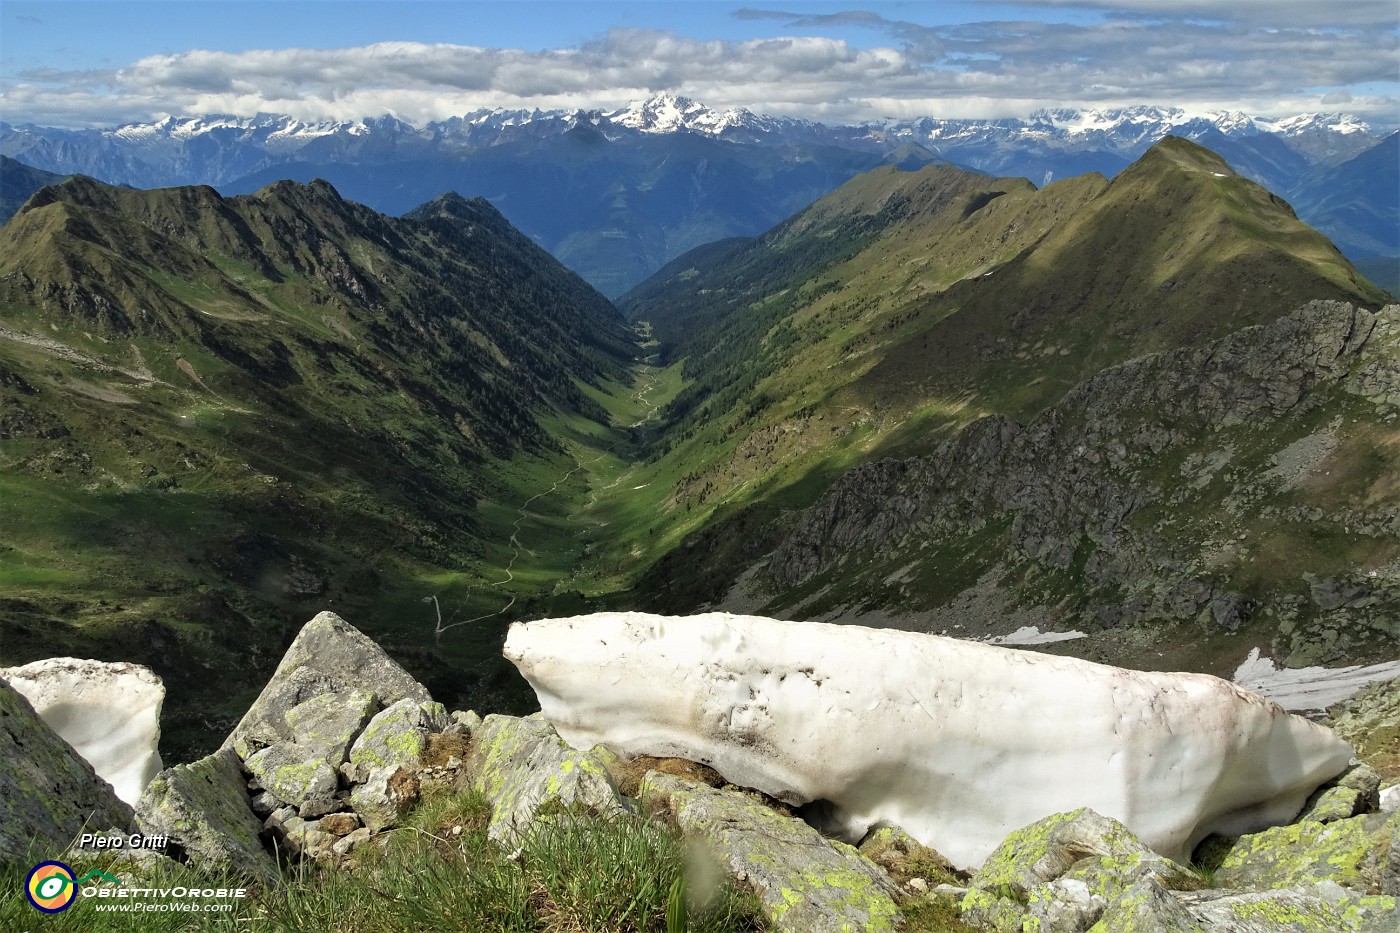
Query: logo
point(50, 887)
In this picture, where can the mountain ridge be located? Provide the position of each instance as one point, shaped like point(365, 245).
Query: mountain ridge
point(618, 193)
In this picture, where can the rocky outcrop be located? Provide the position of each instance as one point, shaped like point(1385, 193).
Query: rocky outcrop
point(328, 657)
point(1064, 871)
point(203, 809)
point(1127, 501)
point(948, 739)
point(807, 884)
point(1361, 853)
point(109, 712)
point(522, 766)
point(1073, 872)
point(49, 794)
point(1370, 721)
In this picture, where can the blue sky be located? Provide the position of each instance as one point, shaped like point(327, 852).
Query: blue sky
point(85, 63)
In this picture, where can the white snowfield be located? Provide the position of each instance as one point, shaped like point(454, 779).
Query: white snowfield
point(108, 711)
point(1309, 688)
point(958, 743)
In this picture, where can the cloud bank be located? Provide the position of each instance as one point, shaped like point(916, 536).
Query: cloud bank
point(1267, 59)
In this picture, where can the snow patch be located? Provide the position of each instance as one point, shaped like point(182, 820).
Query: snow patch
point(1308, 688)
point(955, 742)
point(109, 713)
point(1032, 635)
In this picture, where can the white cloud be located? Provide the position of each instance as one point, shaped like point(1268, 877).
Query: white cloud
point(1149, 51)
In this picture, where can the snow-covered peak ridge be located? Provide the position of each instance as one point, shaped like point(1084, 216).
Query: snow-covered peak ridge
point(663, 113)
point(1144, 122)
point(1343, 123)
point(667, 113)
point(671, 113)
point(266, 126)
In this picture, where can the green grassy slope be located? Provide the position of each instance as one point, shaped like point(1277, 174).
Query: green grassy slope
point(218, 416)
point(905, 305)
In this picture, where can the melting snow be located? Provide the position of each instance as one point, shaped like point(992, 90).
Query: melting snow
point(1309, 688)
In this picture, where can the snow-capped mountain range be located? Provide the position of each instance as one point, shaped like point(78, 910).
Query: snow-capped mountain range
point(216, 149)
point(667, 174)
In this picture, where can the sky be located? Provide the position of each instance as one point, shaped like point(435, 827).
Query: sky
point(81, 64)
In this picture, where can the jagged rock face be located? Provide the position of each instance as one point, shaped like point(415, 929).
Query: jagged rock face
point(48, 792)
point(1140, 482)
point(953, 741)
point(109, 712)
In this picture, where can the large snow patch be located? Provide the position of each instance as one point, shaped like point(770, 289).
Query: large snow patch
point(108, 711)
point(957, 743)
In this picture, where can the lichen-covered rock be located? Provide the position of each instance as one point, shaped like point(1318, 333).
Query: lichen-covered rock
point(904, 858)
point(287, 770)
point(468, 721)
point(325, 726)
point(383, 800)
point(1357, 853)
point(1146, 907)
point(328, 656)
point(108, 711)
point(1081, 846)
point(1356, 792)
point(204, 808)
point(1320, 908)
point(398, 736)
point(521, 765)
point(49, 794)
point(1065, 905)
point(1370, 721)
point(806, 884)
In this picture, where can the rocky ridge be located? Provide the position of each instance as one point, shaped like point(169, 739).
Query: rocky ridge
point(1160, 490)
point(1336, 869)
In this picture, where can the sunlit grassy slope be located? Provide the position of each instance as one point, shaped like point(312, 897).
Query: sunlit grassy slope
point(905, 305)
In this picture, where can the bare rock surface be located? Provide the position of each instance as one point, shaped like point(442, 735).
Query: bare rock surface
point(328, 656)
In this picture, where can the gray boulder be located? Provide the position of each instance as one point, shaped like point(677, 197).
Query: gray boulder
point(1361, 853)
point(1355, 792)
point(806, 883)
point(328, 656)
point(521, 765)
point(325, 726)
point(292, 776)
point(49, 794)
point(1147, 907)
point(204, 808)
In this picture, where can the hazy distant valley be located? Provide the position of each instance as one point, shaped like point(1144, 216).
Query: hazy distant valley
point(933, 399)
